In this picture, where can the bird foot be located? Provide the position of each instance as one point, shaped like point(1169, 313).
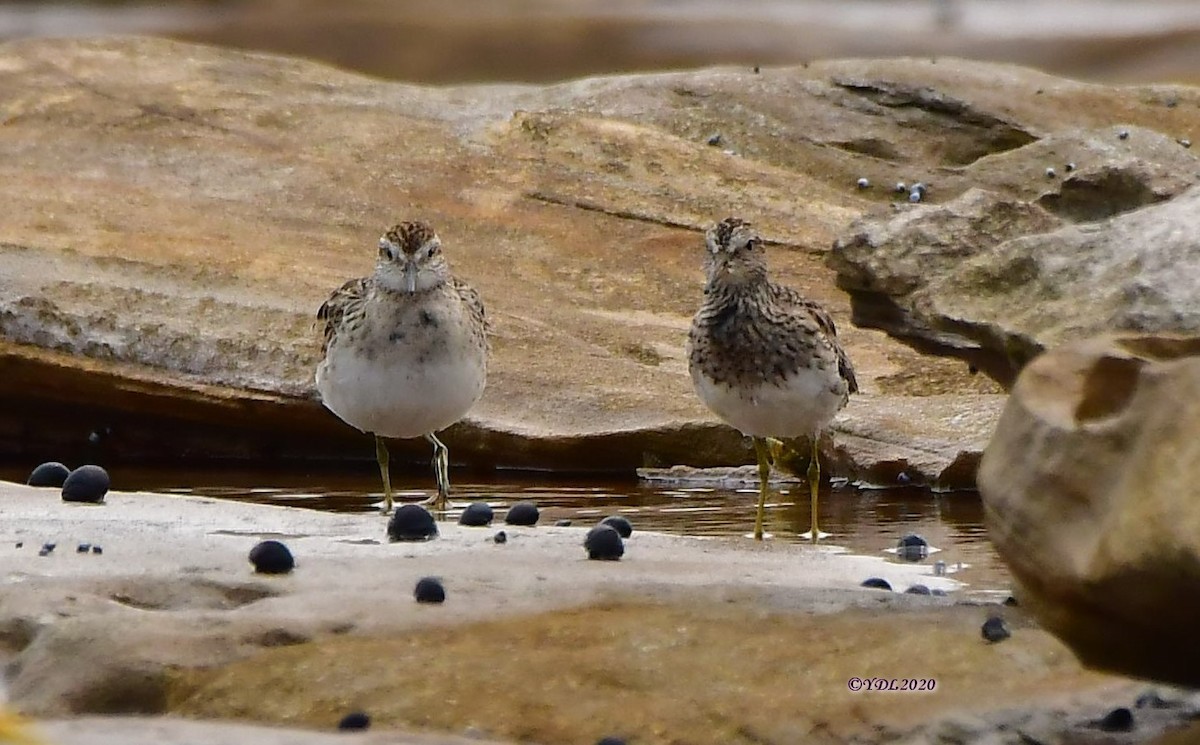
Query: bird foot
point(808, 535)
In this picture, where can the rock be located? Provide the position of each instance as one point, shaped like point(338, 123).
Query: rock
point(412, 522)
point(877, 583)
point(477, 514)
point(912, 547)
point(271, 557)
point(355, 721)
point(429, 590)
point(522, 513)
point(604, 543)
point(49, 474)
point(620, 523)
point(83, 548)
point(995, 630)
point(562, 523)
point(97, 549)
point(500, 537)
point(996, 280)
point(1081, 494)
point(586, 174)
point(86, 484)
point(918, 590)
point(610, 741)
point(1119, 719)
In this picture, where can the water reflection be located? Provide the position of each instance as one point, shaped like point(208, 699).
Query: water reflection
point(865, 522)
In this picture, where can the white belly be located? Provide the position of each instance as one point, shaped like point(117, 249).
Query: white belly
point(799, 407)
point(395, 395)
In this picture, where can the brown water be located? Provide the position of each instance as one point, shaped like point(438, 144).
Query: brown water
point(865, 522)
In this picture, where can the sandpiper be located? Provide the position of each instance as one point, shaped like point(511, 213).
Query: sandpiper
point(405, 350)
point(762, 357)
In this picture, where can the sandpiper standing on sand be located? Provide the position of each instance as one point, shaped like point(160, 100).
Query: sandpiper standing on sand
point(405, 350)
point(763, 358)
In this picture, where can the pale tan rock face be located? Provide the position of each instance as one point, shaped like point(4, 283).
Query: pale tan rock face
point(174, 215)
point(1088, 485)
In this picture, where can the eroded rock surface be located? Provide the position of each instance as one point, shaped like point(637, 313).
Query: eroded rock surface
point(175, 214)
point(1088, 490)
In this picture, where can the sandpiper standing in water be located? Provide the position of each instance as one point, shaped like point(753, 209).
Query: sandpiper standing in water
point(405, 350)
point(762, 357)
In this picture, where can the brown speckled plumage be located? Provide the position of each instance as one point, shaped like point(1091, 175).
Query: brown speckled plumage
point(762, 357)
point(404, 351)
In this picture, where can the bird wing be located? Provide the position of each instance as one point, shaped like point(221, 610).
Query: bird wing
point(353, 293)
point(824, 321)
point(473, 301)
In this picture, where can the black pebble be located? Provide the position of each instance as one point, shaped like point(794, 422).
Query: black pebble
point(938, 592)
point(604, 543)
point(995, 630)
point(83, 548)
point(355, 721)
point(522, 513)
point(615, 740)
point(412, 522)
point(912, 547)
point(714, 139)
point(623, 526)
point(97, 550)
point(1119, 719)
point(477, 514)
point(903, 478)
point(756, 69)
point(271, 557)
point(918, 590)
point(86, 484)
point(1123, 134)
point(1011, 601)
point(429, 590)
point(20, 543)
point(877, 583)
point(562, 523)
point(48, 547)
point(43, 552)
point(500, 537)
point(49, 474)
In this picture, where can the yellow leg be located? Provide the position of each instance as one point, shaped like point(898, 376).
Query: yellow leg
point(441, 472)
point(381, 455)
point(814, 487)
point(764, 477)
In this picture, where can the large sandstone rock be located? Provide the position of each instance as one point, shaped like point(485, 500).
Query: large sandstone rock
point(1088, 485)
point(175, 214)
point(995, 277)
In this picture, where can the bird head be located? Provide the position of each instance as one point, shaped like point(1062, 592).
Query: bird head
point(735, 253)
point(410, 259)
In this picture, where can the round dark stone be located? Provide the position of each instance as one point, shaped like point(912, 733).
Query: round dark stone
point(622, 525)
point(83, 548)
point(522, 513)
point(355, 720)
point(1011, 601)
point(49, 474)
point(86, 484)
point(612, 740)
point(476, 515)
point(995, 630)
point(500, 537)
point(412, 522)
point(48, 547)
point(20, 544)
point(714, 139)
point(97, 550)
point(562, 523)
point(877, 583)
point(604, 543)
point(272, 557)
point(429, 590)
point(912, 547)
point(938, 592)
point(1119, 719)
point(918, 590)
point(1123, 134)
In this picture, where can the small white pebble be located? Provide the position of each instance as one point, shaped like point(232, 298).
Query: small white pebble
point(1185, 143)
point(1051, 173)
point(901, 187)
point(914, 196)
point(1070, 166)
point(1123, 134)
point(864, 183)
point(920, 188)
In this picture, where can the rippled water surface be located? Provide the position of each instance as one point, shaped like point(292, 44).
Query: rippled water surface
point(864, 522)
